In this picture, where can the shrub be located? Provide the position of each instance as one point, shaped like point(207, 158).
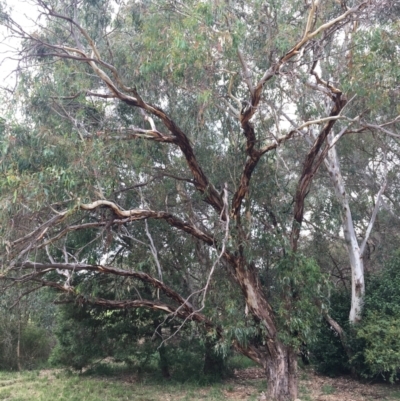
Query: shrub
point(88, 334)
point(326, 352)
point(374, 343)
point(80, 340)
point(378, 335)
point(35, 345)
point(380, 351)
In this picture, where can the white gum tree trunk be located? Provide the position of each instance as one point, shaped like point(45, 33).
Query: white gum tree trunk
point(354, 250)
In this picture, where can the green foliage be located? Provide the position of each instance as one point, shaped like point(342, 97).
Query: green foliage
point(374, 343)
point(379, 331)
point(326, 352)
point(88, 335)
point(379, 335)
point(376, 61)
point(25, 329)
point(301, 290)
point(76, 138)
point(35, 345)
point(80, 340)
point(384, 290)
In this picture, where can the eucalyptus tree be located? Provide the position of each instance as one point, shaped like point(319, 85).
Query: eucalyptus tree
point(362, 169)
point(172, 145)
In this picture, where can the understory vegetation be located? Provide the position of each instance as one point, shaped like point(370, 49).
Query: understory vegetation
point(88, 339)
point(372, 349)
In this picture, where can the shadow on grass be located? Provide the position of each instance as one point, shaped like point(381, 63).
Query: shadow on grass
point(181, 373)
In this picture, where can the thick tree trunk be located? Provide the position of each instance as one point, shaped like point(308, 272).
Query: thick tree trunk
point(278, 360)
point(280, 364)
point(282, 374)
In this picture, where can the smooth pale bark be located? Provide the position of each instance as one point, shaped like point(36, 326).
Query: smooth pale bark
point(355, 254)
point(355, 251)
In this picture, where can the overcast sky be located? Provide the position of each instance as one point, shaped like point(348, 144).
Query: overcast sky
point(24, 12)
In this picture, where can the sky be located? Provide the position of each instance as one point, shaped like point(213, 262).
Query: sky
point(24, 12)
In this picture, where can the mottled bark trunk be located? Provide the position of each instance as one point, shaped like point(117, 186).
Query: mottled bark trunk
point(278, 360)
point(280, 364)
point(281, 372)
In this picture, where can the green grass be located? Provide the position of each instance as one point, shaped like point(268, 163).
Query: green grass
point(59, 385)
point(118, 384)
point(327, 389)
point(304, 393)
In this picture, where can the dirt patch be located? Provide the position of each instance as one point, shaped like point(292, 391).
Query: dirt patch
point(312, 387)
point(249, 374)
point(245, 384)
point(50, 373)
point(321, 388)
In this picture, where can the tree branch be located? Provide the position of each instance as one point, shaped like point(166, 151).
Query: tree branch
point(375, 211)
point(42, 268)
point(246, 72)
point(311, 164)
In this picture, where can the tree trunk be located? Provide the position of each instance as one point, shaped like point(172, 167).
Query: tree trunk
point(280, 364)
point(19, 338)
point(355, 256)
point(164, 365)
point(162, 351)
point(278, 360)
point(19, 347)
point(282, 374)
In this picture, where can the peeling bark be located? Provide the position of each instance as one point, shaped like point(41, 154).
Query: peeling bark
point(313, 161)
point(282, 374)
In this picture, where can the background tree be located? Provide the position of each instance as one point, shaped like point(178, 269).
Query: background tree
point(25, 329)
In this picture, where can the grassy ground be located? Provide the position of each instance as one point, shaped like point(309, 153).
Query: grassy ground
point(59, 385)
point(63, 386)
